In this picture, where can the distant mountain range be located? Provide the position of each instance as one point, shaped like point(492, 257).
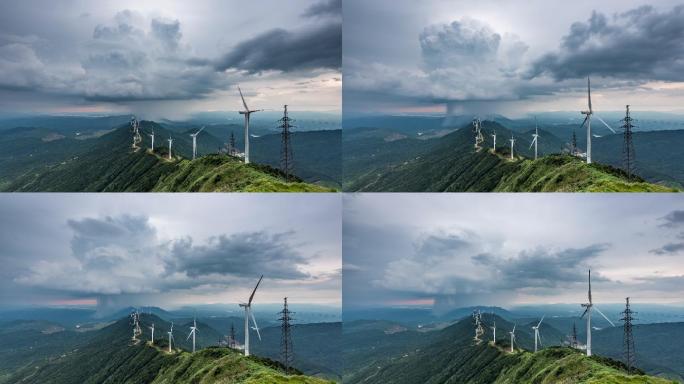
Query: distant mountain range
point(404, 160)
point(382, 352)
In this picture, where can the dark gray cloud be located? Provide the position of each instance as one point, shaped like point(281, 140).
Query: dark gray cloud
point(542, 267)
point(284, 50)
point(641, 43)
point(669, 249)
point(325, 8)
point(241, 255)
point(674, 219)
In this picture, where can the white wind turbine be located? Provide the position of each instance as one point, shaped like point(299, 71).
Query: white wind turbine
point(494, 331)
point(537, 338)
point(512, 333)
point(193, 331)
point(248, 314)
point(587, 120)
point(512, 140)
point(170, 337)
point(152, 329)
point(152, 137)
point(170, 143)
point(494, 136)
point(194, 142)
point(534, 138)
point(589, 308)
point(247, 112)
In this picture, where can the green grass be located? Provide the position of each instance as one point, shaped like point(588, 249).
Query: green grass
point(557, 365)
point(217, 173)
point(221, 365)
point(560, 173)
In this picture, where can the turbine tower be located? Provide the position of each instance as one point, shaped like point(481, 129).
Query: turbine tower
point(193, 331)
point(534, 138)
point(512, 333)
point(194, 142)
point(152, 338)
point(170, 333)
point(152, 137)
point(170, 143)
point(587, 312)
point(494, 333)
point(537, 338)
point(247, 112)
point(494, 145)
point(587, 121)
point(248, 313)
point(512, 140)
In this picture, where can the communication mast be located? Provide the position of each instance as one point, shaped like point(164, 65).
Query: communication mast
point(286, 350)
point(628, 144)
point(628, 337)
point(285, 145)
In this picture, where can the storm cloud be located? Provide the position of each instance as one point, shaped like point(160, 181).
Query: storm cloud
point(639, 44)
point(284, 50)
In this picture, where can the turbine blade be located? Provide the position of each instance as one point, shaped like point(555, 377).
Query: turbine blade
point(604, 316)
point(201, 129)
point(189, 334)
point(590, 286)
point(243, 99)
point(540, 321)
point(254, 291)
point(606, 124)
point(589, 92)
point(256, 327)
point(585, 312)
point(584, 122)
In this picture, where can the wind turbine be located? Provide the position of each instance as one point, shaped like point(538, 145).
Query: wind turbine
point(534, 138)
point(152, 136)
point(512, 333)
point(494, 136)
point(248, 314)
point(494, 330)
point(587, 120)
point(170, 336)
point(536, 334)
point(152, 338)
point(170, 143)
point(512, 140)
point(194, 142)
point(589, 308)
point(247, 112)
point(193, 330)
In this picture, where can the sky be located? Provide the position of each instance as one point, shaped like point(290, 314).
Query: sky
point(169, 250)
point(169, 58)
point(445, 251)
point(495, 56)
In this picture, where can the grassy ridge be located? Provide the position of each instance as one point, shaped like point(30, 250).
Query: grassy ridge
point(559, 173)
point(221, 365)
point(565, 365)
point(217, 173)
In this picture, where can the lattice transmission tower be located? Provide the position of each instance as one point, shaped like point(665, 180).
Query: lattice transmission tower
point(286, 158)
point(286, 348)
point(628, 145)
point(628, 337)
